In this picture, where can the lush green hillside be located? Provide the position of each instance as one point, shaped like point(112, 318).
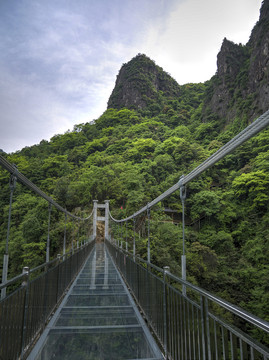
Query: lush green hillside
point(130, 156)
point(131, 159)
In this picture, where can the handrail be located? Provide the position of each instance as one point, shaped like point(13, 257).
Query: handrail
point(236, 310)
point(24, 180)
point(39, 267)
point(22, 321)
point(259, 124)
point(12, 281)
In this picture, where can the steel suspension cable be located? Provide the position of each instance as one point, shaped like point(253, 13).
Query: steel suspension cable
point(254, 128)
point(12, 169)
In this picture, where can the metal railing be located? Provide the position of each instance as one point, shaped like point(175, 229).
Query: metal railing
point(253, 129)
point(189, 327)
point(15, 176)
point(25, 312)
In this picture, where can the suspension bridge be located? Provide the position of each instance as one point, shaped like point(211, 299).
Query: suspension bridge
point(101, 301)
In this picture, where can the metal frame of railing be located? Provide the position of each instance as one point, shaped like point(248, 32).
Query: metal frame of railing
point(35, 293)
point(254, 128)
point(187, 326)
point(25, 312)
point(15, 176)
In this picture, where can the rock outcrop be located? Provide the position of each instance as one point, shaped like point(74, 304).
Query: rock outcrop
point(241, 84)
point(140, 83)
point(240, 88)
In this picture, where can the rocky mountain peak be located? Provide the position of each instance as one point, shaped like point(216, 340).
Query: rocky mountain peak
point(230, 58)
point(242, 76)
point(141, 82)
point(259, 59)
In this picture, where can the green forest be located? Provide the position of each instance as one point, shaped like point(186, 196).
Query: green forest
point(130, 156)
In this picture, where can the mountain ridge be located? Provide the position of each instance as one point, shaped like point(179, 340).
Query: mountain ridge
point(241, 79)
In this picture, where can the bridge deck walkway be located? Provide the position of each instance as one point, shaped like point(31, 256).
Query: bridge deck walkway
point(97, 319)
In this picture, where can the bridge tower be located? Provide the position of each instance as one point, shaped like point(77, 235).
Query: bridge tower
point(96, 218)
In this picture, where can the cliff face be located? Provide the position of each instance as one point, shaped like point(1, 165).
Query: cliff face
point(230, 62)
point(239, 89)
point(241, 84)
point(141, 83)
point(259, 59)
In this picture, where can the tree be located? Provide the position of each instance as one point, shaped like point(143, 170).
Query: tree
point(205, 203)
point(253, 188)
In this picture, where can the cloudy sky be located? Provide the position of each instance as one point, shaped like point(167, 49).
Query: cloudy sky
point(59, 58)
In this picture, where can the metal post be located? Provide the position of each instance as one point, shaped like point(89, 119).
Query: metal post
point(105, 286)
point(85, 238)
point(111, 233)
point(165, 270)
point(126, 243)
point(64, 246)
point(134, 241)
point(148, 212)
point(73, 237)
point(48, 238)
point(206, 347)
point(78, 236)
point(92, 286)
point(94, 218)
point(118, 234)
point(26, 272)
point(106, 218)
point(58, 277)
point(86, 232)
point(12, 185)
point(183, 257)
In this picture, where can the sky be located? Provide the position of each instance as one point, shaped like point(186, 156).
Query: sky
point(59, 58)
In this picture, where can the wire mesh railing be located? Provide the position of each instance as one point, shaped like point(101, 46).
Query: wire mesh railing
point(25, 312)
point(16, 175)
point(198, 325)
point(97, 319)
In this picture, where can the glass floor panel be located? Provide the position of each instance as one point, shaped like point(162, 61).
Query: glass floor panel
point(94, 317)
point(87, 280)
point(97, 320)
point(97, 300)
point(101, 290)
point(84, 345)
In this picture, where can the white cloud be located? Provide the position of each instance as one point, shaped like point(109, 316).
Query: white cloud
point(32, 113)
point(188, 45)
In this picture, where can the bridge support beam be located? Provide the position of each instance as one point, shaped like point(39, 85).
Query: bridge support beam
point(94, 225)
point(4, 275)
point(105, 218)
point(12, 185)
point(183, 195)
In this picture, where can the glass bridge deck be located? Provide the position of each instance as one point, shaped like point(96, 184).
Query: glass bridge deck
point(97, 320)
